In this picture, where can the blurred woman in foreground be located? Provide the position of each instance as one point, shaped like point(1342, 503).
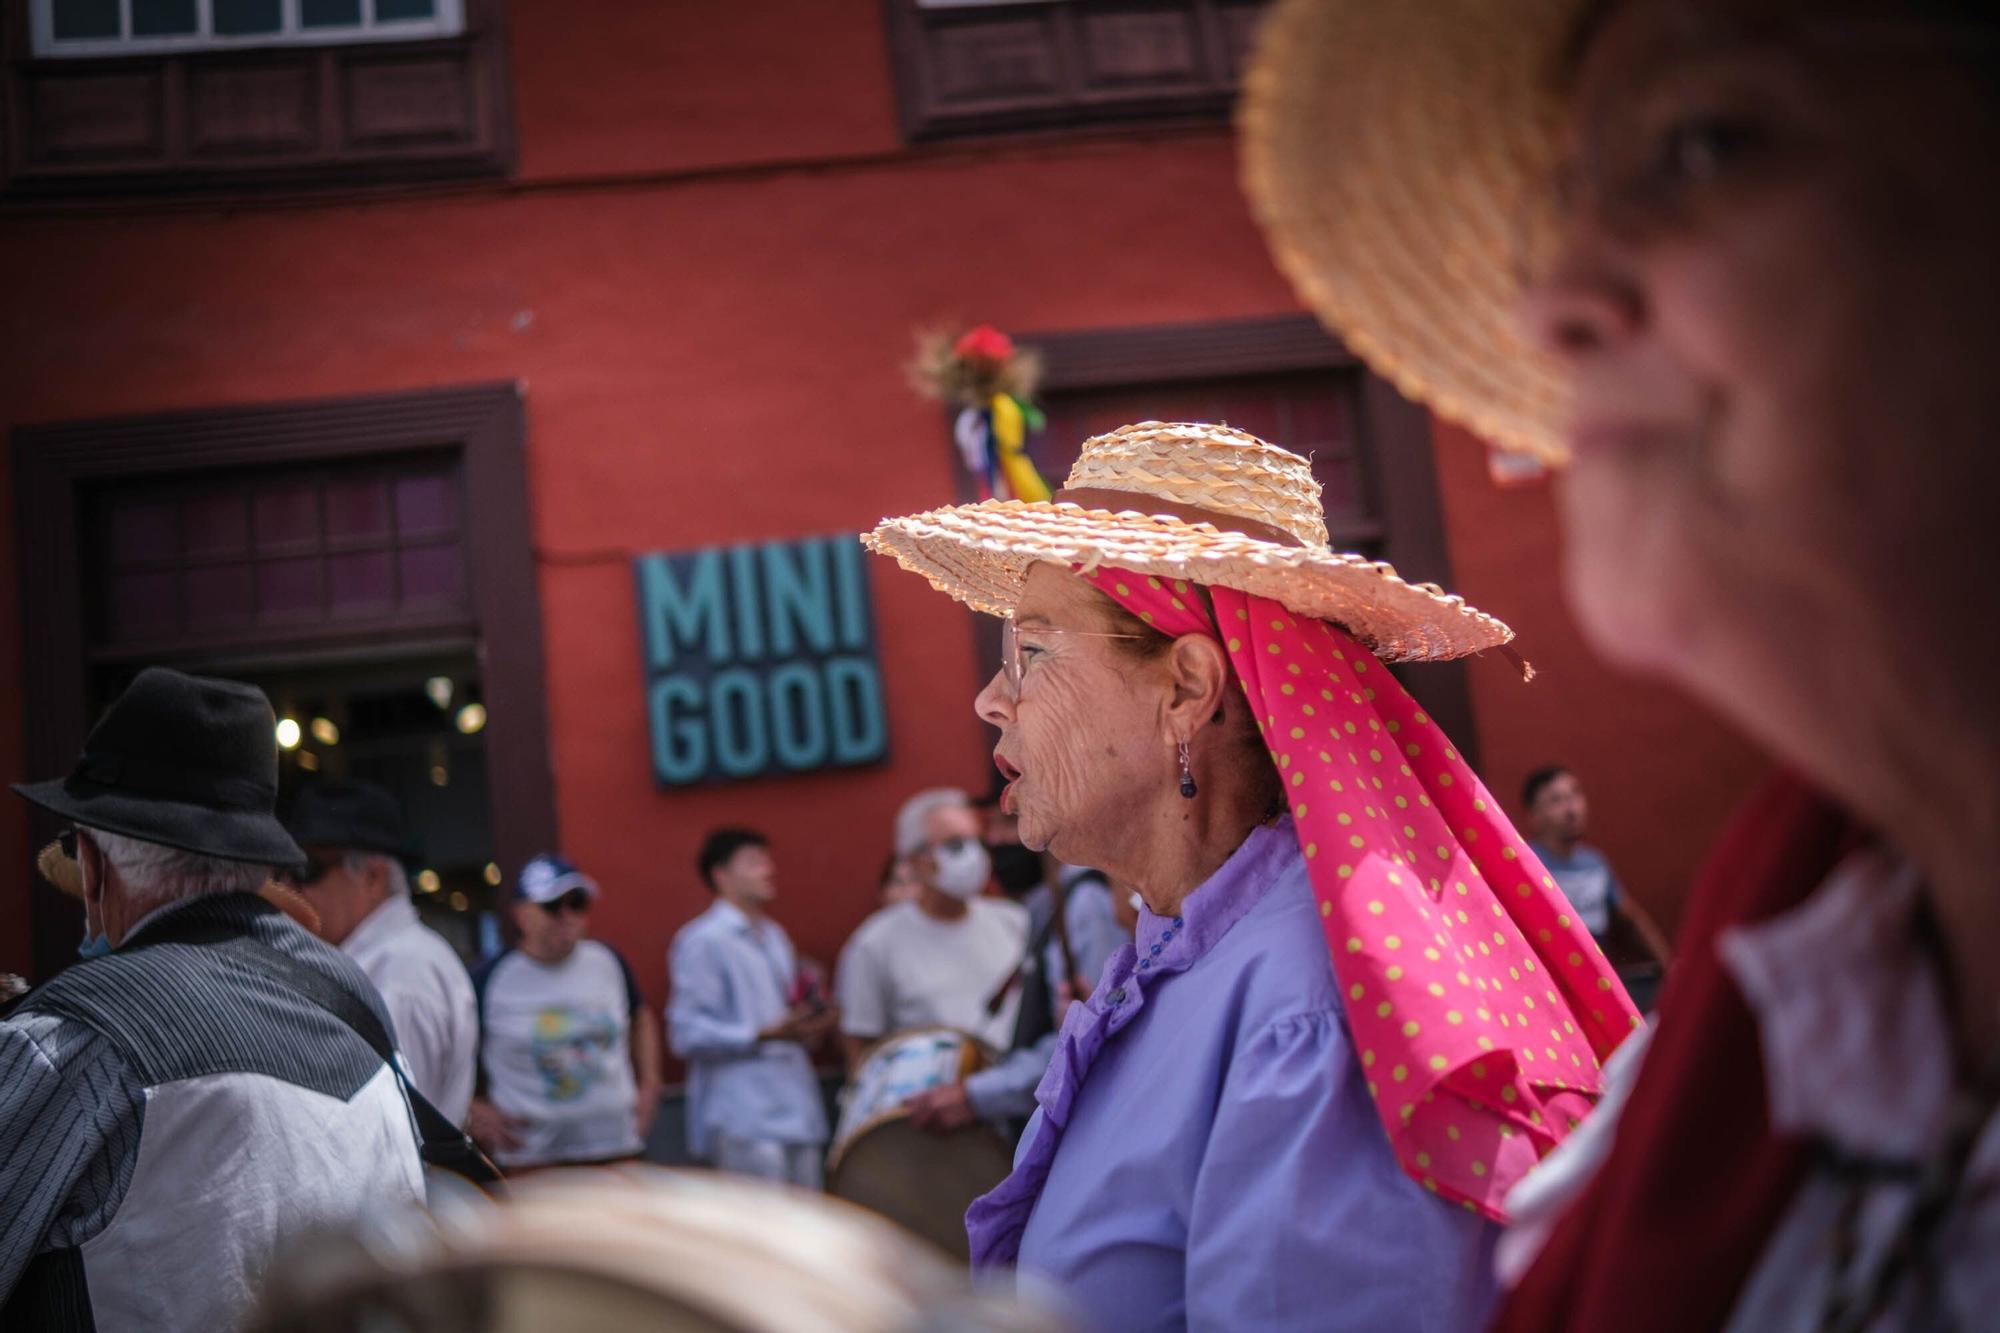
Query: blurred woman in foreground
point(1733, 261)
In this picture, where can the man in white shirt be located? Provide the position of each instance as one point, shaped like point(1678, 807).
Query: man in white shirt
point(187, 1103)
point(354, 838)
point(1005, 1090)
point(940, 960)
point(743, 1016)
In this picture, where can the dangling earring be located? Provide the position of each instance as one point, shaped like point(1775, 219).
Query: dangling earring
point(1188, 789)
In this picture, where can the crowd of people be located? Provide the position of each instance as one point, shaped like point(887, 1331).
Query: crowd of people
point(1290, 1025)
point(202, 1033)
point(549, 1056)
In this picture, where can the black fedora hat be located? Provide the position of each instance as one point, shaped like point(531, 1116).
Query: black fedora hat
point(355, 816)
point(182, 761)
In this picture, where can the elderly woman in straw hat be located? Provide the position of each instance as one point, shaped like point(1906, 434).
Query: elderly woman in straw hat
point(1734, 262)
point(1355, 1010)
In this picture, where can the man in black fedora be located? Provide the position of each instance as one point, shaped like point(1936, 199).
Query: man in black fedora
point(355, 839)
point(197, 1092)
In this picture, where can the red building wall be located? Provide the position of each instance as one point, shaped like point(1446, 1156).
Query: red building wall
point(1661, 774)
point(706, 274)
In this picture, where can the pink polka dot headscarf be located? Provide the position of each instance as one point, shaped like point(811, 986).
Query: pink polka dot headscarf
point(1479, 1006)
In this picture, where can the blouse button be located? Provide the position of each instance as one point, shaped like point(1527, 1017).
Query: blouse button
point(1118, 996)
point(1156, 951)
point(1179, 922)
point(1145, 963)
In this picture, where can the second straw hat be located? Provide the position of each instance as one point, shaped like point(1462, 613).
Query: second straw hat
point(1396, 155)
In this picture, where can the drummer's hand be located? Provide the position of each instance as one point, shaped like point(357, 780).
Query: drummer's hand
point(645, 1106)
point(817, 1027)
point(802, 1024)
point(941, 1110)
point(492, 1128)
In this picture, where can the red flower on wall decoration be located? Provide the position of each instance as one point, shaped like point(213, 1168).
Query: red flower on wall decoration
point(984, 343)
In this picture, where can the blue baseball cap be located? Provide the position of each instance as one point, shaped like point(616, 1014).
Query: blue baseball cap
point(548, 877)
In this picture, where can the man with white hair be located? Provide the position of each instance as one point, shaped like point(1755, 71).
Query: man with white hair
point(946, 958)
point(199, 1092)
point(354, 838)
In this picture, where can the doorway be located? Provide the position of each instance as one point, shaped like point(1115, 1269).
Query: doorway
point(364, 561)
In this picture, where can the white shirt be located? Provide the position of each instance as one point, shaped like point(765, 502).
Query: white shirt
point(904, 969)
point(172, 1124)
point(429, 998)
point(555, 1041)
point(731, 980)
point(1855, 1027)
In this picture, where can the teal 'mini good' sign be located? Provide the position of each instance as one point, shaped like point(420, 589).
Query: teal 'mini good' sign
point(760, 659)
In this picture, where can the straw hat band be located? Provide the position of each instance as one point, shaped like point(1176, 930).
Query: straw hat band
point(1119, 501)
point(1216, 469)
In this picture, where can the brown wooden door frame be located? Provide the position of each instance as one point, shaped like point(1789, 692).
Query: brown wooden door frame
point(53, 464)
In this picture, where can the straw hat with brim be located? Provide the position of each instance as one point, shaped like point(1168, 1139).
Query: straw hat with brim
point(182, 761)
point(60, 869)
point(1396, 154)
point(1202, 503)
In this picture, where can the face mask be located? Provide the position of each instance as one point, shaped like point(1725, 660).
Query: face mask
point(963, 867)
point(1017, 868)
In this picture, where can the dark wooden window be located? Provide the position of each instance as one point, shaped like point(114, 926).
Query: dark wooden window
point(973, 68)
point(1287, 381)
point(363, 546)
point(364, 560)
point(248, 110)
point(87, 28)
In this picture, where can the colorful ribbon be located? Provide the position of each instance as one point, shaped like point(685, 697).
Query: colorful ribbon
point(1479, 1006)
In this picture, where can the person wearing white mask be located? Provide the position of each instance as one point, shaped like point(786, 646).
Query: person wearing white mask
point(942, 959)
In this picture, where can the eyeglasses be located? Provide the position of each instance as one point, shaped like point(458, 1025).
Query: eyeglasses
point(1012, 668)
point(953, 846)
point(576, 900)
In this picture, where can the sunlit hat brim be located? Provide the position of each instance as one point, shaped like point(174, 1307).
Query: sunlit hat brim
point(1396, 155)
point(980, 554)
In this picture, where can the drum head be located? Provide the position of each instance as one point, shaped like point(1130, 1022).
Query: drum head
point(923, 1182)
point(631, 1250)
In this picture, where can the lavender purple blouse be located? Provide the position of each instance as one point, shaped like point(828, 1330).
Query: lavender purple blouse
point(1206, 1154)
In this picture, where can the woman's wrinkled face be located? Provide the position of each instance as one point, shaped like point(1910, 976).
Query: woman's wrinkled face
point(1775, 280)
point(1084, 737)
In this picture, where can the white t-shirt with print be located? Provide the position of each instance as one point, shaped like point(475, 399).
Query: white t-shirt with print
point(904, 969)
point(555, 1046)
